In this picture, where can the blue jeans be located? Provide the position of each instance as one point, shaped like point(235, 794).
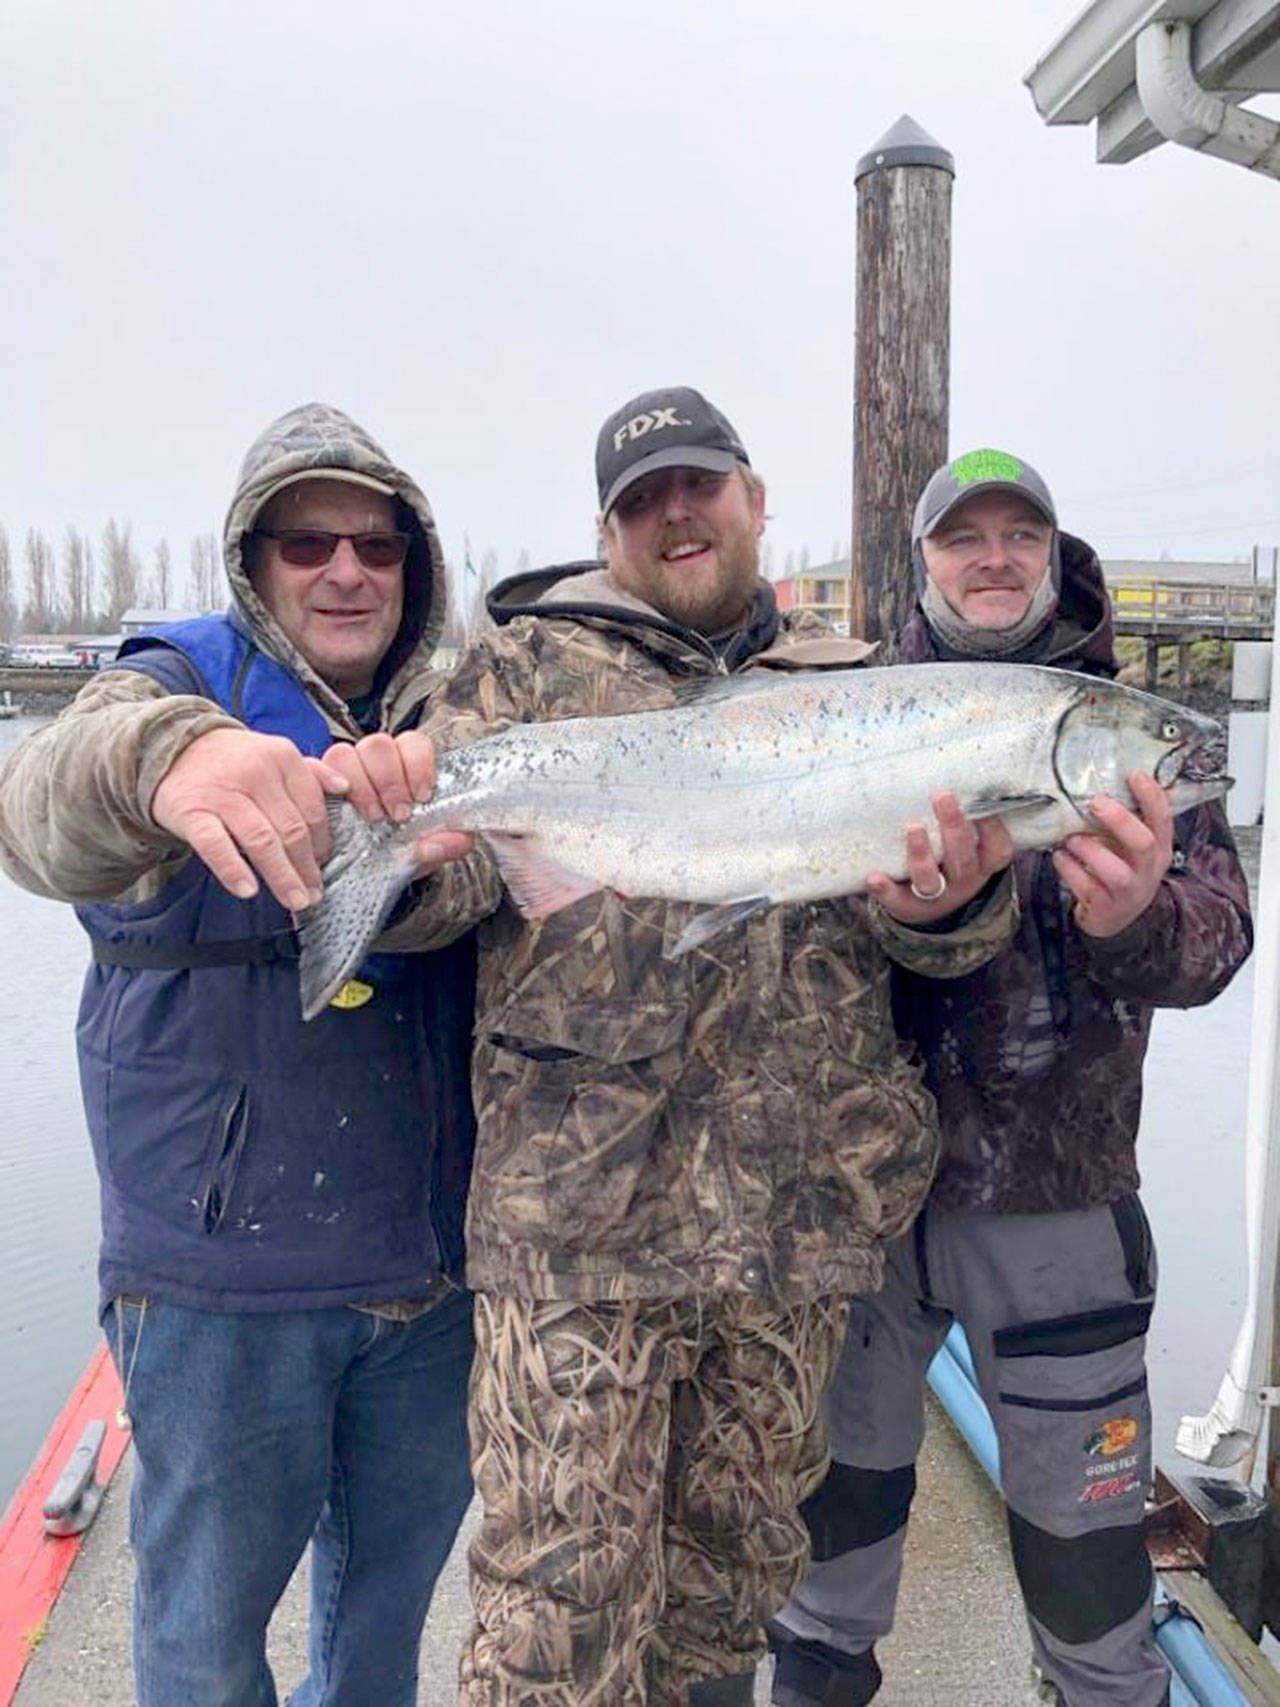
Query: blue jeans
point(256, 1433)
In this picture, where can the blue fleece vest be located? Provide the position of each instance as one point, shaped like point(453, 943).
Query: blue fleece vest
point(249, 1161)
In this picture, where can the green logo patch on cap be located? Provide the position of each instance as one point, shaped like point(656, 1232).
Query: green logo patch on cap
point(985, 465)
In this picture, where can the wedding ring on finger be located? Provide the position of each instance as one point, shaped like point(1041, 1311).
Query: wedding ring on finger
point(934, 895)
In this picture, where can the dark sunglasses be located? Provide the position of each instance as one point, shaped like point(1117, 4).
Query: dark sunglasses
point(308, 548)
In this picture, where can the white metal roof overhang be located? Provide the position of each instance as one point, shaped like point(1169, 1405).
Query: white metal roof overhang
point(1179, 82)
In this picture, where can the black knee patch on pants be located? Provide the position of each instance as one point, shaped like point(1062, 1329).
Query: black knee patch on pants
point(810, 1674)
point(854, 1508)
point(739, 1691)
point(1082, 1587)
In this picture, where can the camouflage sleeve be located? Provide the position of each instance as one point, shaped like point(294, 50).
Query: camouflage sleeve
point(979, 933)
point(75, 797)
point(1197, 932)
point(493, 685)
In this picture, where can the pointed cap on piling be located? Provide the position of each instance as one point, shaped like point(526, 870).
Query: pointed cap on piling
point(905, 144)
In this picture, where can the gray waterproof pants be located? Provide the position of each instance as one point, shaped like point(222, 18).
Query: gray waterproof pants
point(1056, 1309)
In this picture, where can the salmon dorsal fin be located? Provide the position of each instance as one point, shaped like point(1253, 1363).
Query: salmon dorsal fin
point(749, 683)
point(712, 690)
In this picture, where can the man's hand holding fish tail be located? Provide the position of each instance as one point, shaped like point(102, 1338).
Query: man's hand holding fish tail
point(247, 802)
point(386, 776)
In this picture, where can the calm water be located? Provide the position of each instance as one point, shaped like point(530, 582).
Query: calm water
point(48, 1190)
point(1192, 1159)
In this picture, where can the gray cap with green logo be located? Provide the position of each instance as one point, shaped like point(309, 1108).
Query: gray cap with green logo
point(978, 471)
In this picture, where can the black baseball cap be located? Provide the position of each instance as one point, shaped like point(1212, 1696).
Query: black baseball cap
point(672, 428)
point(978, 471)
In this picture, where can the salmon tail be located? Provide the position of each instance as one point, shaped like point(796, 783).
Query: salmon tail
point(359, 893)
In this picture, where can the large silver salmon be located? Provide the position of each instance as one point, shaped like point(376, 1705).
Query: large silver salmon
point(763, 788)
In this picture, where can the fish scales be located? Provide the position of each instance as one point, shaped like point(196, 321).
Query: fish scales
point(783, 787)
point(801, 788)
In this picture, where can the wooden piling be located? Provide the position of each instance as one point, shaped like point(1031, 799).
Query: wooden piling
point(902, 361)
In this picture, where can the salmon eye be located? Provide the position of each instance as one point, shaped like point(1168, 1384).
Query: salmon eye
point(1169, 730)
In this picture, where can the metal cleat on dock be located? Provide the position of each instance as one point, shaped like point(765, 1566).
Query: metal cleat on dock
point(1044, 1689)
point(73, 1501)
point(1216, 1526)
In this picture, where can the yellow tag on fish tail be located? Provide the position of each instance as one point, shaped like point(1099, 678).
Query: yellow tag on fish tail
point(353, 994)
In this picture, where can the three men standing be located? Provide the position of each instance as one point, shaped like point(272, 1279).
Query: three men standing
point(685, 1168)
point(1032, 1235)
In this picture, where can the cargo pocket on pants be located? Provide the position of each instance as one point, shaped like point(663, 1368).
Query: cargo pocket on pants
point(1075, 1418)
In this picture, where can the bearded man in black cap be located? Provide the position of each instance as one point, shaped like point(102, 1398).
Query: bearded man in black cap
point(1033, 1235)
point(684, 1166)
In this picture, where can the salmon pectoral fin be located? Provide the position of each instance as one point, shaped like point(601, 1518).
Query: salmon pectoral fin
point(714, 922)
point(1004, 805)
point(538, 884)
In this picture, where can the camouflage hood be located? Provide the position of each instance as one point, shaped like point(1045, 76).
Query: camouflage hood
point(317, 438)
point(586, 593)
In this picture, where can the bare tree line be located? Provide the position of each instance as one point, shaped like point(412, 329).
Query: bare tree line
point(470, 584)
point(83, 587)
point(80, 588)
point(77, 588)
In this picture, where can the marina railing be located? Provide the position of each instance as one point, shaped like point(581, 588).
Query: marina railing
point(1232, 608)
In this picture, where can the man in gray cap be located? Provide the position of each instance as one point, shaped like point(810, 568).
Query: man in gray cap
point(1032, 1235)
point(987, 557)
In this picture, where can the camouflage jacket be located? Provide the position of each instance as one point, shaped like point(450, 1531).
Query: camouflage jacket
point(742, 1118)
point(1036, 1058)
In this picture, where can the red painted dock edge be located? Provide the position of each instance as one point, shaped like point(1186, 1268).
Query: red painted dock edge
point(34, 1566)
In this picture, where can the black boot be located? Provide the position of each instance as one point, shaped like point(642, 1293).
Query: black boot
point(810, 1674)
point(739, 1691)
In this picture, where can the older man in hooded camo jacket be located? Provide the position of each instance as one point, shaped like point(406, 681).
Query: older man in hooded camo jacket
point(281, 1203)
point(683, 1167)
point(1033, 1235)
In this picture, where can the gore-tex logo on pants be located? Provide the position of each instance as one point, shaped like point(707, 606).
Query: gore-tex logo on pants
point(652, 421)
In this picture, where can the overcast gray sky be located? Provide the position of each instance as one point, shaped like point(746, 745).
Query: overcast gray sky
point(479, 227)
